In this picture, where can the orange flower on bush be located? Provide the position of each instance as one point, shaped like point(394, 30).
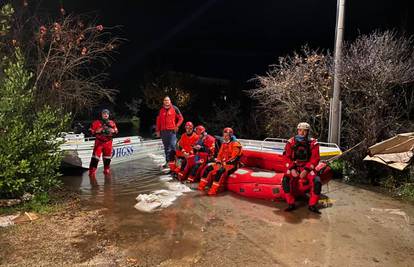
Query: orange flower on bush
point(99, 27)
point(84, 51)
point(42, 30)
point(57, 27)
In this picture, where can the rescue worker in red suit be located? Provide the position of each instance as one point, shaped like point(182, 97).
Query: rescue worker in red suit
point(185, 145)
point(227, 161)
point(169, 120)
point(103, 129)
point(302, 156)
point(204, 150)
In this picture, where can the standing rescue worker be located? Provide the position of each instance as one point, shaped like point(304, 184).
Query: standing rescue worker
point(169, 120)
point(185, 145)
point(204, 150)
point(103, 129)
point(227, 161)
point(302, 156)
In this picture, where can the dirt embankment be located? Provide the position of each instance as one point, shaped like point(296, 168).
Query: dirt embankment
point(361, 228)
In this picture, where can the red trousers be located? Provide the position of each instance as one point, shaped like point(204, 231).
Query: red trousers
point(100, 148)
point(104, 148)
point(292, 186)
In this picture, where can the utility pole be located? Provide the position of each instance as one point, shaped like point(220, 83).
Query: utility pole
point(334, 121)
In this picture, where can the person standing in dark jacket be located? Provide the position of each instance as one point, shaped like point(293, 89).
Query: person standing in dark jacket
point(169, 120)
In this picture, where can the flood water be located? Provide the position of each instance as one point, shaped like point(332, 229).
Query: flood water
point(360, 228)
point(119, 190)
point(127, 225)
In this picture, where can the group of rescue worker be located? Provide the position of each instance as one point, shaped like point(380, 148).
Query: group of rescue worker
point(194, 156)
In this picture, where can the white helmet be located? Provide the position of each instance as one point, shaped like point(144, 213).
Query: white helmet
point(304, 126)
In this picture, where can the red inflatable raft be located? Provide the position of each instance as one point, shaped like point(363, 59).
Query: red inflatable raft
point(262, 174)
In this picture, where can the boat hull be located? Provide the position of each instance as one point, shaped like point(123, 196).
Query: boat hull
point(262, 175)
point(78, 155)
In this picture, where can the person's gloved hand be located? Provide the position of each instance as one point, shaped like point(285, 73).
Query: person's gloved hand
point(106, 131)
point(303, 174)
point(197, 147)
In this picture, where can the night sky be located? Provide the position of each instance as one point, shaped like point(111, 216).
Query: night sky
point(227, 39)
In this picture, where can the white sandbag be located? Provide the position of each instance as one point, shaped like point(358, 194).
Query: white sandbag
point(178, 187)
point(165, 178)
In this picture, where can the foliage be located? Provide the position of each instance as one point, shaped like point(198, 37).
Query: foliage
point(68, 55)
point(221, 116)
point(174, 85)
point(294, 90)
point(378, 70)
point(398, 182)
point(29, 157)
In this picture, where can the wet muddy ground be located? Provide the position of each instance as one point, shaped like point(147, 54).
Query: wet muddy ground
point(360, 228)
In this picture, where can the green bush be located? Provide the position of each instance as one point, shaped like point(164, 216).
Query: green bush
point(337, 167)
point(29, 158)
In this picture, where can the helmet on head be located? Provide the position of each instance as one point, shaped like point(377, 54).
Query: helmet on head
point(303, 126)
point(200, 129)
point(105, 110)
point(228, 130)
point(189, 124)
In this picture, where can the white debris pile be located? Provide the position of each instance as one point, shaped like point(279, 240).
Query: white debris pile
point(7, 220)
point(165, 178)
point(160, 199)
point(178, 187)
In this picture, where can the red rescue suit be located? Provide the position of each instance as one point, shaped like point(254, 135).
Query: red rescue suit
point(302, 155)
point(200, 158)
point(186, 143)
point(227, 161)
point(184, 150)
point(103, 132)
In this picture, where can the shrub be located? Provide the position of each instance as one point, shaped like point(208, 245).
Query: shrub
point(29, 158)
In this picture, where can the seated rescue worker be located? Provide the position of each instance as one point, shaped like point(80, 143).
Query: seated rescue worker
point(185, 147)
point(203, 153)
point(103, 129)
point(302, 156)
point(227, 161)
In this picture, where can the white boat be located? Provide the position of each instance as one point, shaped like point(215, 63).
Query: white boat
point(277, 145)
point(78, 149)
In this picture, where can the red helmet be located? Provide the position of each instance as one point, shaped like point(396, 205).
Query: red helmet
point(200, 129)
point(228, 130)
point(189, 124)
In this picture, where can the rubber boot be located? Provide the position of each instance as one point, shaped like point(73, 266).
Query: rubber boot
point(181, 176)
point(314, 209)
point(107, 163)
point(191, 179)
point(214, 188)
point(92, 172)
point(202, 185)
point(107, 171)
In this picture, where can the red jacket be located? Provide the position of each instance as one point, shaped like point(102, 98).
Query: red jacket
point(309, 149)
point(187, 142)
point(169, 119)
point(207, 143)
point(100, 130)
point(230, 152)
